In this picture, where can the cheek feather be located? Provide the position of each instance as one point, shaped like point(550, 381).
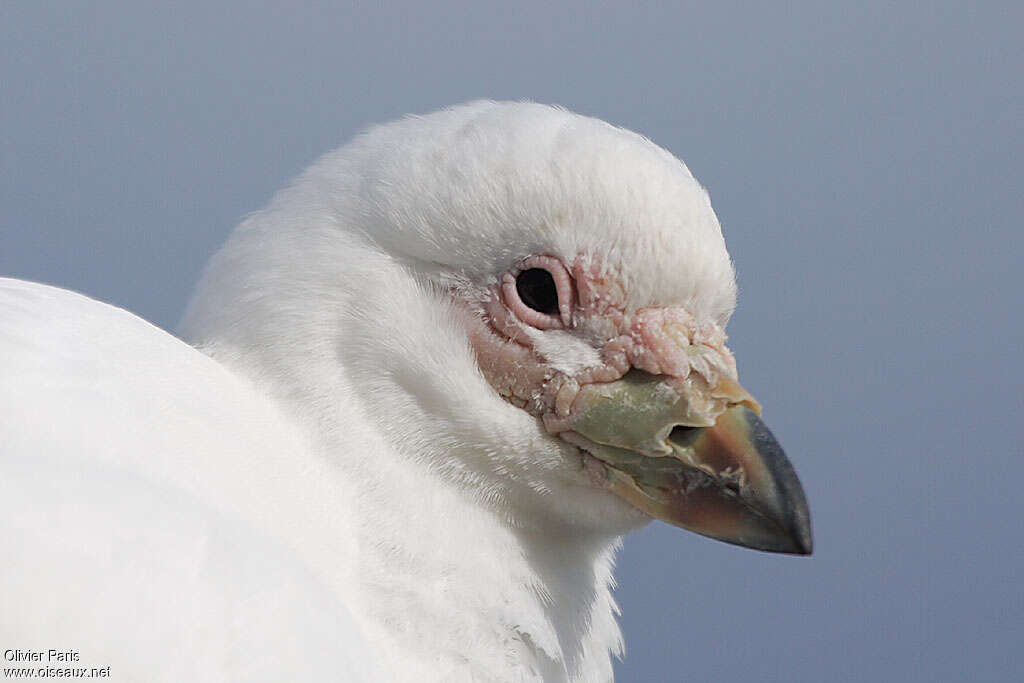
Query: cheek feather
point(563, 351)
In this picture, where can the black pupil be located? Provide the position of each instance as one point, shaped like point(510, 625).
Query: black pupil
point(537, 290)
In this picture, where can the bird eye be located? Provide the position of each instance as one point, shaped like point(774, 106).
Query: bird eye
point(536, 288)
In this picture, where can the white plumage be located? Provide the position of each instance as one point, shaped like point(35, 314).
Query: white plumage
point(324, 485)
point(144, 491)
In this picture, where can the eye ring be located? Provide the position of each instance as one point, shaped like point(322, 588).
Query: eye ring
point(539, 292)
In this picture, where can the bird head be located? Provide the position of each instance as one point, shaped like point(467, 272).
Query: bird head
point(531, 302)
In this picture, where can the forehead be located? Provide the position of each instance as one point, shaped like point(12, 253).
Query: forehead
point(478, 188)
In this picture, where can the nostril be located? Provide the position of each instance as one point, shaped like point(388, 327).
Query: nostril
point(681, 435)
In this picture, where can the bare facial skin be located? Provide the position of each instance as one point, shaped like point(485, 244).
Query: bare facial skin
point(661, 341)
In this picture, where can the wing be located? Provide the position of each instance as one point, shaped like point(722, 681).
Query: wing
point(158, 516)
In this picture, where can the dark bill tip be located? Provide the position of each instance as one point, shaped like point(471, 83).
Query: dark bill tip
point(789, 507)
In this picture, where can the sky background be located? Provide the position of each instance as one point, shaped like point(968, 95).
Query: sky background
point(865, 160)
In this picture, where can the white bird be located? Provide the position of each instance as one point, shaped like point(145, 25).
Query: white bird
point(420, 399)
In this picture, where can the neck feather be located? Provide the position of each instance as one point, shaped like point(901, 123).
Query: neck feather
point(447, 571)
point(448, 586)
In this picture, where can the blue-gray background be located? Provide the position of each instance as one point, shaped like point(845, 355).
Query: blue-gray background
point(865, 161)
